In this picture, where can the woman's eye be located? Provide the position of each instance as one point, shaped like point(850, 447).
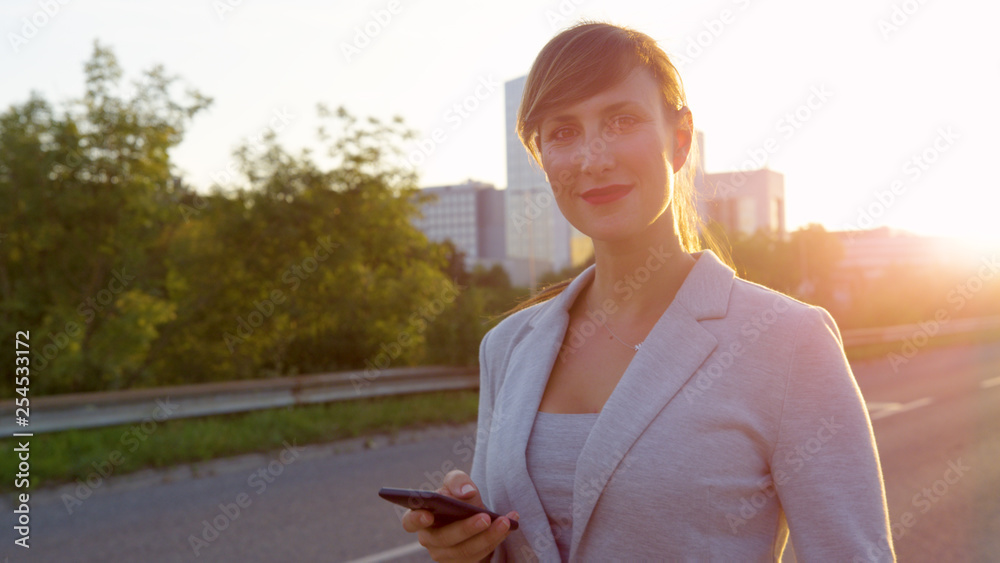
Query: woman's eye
point(622, 123)
point(561, 134)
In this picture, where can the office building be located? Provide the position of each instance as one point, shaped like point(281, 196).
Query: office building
point(744, 201)
point(471, 215)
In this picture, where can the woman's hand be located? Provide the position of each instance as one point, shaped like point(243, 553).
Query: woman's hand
point(472, 539)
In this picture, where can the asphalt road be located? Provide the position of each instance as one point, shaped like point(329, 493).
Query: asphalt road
point(936, 420)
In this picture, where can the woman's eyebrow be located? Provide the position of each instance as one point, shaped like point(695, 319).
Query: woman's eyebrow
point(610, 108)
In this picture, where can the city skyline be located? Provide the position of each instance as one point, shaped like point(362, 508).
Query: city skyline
point(876, 114)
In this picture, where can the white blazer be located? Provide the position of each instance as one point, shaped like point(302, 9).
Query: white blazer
point(737, 422)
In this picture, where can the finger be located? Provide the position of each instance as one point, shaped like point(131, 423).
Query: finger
point(476, 546)
point(456, 532)
point(416, 520)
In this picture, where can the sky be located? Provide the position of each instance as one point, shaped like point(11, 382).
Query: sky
point(877, 112)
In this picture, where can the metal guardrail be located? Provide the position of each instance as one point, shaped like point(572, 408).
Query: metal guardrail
point(91, 410)
point(913, 332)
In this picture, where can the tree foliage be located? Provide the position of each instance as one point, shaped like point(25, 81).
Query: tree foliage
point(309, 269)
point(126, 276)
point(85, 191)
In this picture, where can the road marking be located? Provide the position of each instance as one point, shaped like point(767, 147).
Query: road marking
point(990, 383)
point(882, 410)
point(391, 554)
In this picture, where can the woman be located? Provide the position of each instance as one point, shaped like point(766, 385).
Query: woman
point(655, 407)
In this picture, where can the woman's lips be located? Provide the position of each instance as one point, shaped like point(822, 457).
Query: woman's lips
point(606, 194)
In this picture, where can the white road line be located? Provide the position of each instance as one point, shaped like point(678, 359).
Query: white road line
point(882, 410)
point(390, 554)
point(990, 383)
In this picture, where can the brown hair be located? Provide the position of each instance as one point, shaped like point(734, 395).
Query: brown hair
point(585, 60)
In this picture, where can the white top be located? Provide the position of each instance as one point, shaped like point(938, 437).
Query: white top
point(554, 446)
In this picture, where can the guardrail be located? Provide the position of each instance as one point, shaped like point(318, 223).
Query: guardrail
point(90, 410)
point(929, 329)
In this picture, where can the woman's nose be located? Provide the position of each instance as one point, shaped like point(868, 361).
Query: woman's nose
point(596, 156)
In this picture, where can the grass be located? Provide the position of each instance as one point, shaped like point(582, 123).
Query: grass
point(64, 457)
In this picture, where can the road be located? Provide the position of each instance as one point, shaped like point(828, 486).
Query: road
point(936, 416)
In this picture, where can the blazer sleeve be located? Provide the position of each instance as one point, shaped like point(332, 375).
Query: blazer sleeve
point(484, 421)
point(825, 465)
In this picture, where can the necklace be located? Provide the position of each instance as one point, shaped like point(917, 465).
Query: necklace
point(635, 347)
point(612, 333)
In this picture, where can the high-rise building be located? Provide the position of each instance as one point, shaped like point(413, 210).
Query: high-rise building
point(471, 215)
point(744, 201)
point(539, 238)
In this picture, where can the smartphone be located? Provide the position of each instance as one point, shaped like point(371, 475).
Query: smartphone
point(445, 509)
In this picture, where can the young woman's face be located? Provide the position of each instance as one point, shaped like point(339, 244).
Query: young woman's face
point(611, 160)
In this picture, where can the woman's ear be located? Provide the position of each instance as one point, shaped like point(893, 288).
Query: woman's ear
point(683, 134)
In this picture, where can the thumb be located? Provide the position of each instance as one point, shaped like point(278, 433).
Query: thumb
point(460, 486)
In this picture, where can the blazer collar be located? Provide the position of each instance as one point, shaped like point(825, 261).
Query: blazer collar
point(704, 293)
point(675, 347)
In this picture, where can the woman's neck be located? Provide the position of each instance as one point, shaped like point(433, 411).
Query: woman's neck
point(639, 278)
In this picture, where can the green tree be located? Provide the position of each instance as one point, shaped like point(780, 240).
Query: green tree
point(309, 266)
point(818, 254)
point(85, 223)
point(766, 259)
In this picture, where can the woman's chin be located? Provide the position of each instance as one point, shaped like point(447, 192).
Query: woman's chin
point(611, 233)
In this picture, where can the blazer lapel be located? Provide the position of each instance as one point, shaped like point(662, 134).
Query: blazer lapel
point(674, 349)
point(526, 375)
